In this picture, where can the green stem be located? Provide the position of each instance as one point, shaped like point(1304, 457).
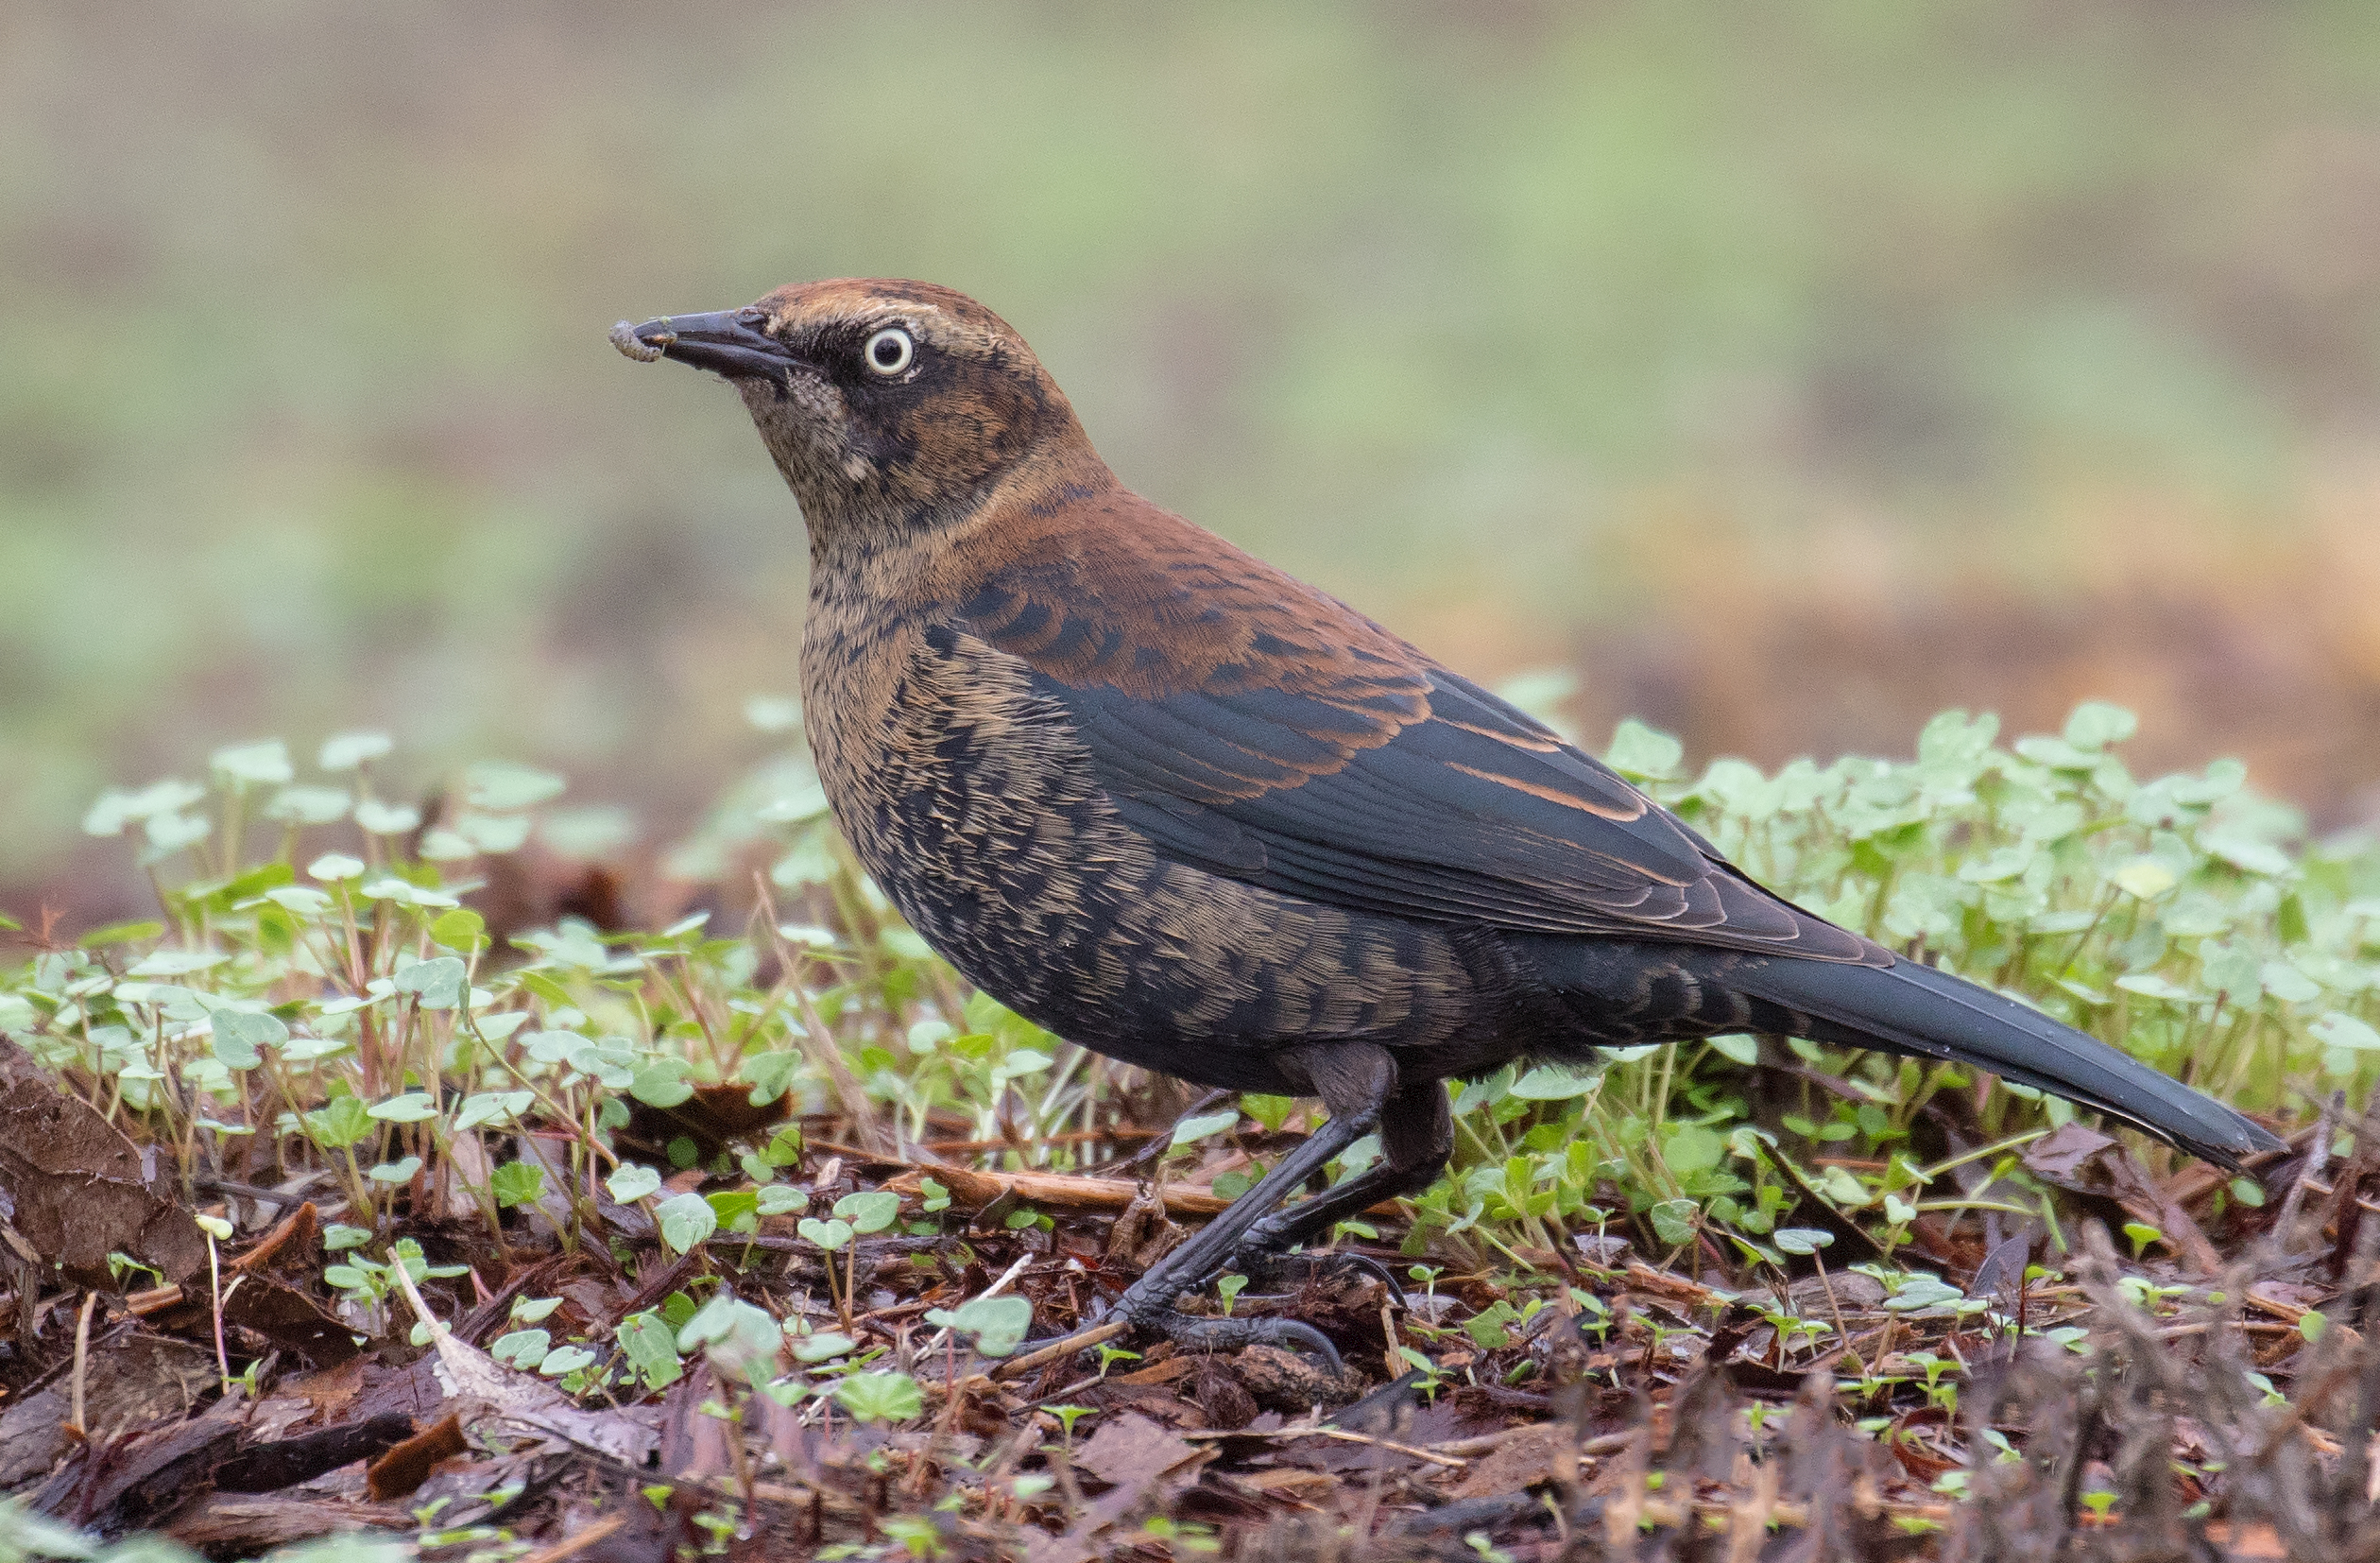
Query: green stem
point(1929, 1173)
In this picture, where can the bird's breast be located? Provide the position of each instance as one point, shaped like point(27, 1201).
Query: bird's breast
point(962, 798)
point(972, 804)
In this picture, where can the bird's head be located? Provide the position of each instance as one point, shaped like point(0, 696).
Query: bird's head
point(889, 406)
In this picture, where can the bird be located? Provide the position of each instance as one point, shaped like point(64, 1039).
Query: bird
point(1172, 804)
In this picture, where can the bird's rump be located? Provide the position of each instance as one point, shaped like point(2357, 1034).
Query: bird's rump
point(1249, 726)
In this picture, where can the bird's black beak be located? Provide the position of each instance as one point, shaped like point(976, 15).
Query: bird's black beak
point(730, 342)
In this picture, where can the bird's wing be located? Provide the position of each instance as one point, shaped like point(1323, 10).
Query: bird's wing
point(1255, 728)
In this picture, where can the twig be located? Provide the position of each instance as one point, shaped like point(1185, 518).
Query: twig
point(1748, 1520)
point(1067, 1392)
point(842, 1302)
point(2318, 1155)
point(473, 1374)
point(2246, 1327)
point(1341, 1434)
point(994, 1290)
point(1136, 1164)
point(1842, 1334)
point(249, 1191)
point(1472, 1447)
point(952, 1391)
point(570, 1547)
point(2297, 1417)
point(785, 1495)
point(16, 1242)
point(82, 1358)
point(214, 1295)
point(1071, 1137)
point(1058, 1192)
point(819, 1041)
point(1055, 1191)
point(1668, 1513)
point(2264, 1302)
point(976, 1190)
point(2315, 1185)
point(1016, 1367)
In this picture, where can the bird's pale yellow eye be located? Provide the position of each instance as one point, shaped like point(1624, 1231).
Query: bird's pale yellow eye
point(889, 351)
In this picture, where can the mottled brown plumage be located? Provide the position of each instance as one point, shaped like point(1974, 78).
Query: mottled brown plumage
point(1188, 810)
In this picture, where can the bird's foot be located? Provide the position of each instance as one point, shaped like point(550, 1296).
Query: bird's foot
point(1195, 1332)
point(1275, 1272)
point(1186, 1330)
point(1148, 1306)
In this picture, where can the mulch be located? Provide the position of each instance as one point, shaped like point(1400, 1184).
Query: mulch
point(1605, 1404)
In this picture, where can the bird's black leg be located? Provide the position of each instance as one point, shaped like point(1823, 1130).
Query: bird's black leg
point(1416, 1138)
point(1354, 1080)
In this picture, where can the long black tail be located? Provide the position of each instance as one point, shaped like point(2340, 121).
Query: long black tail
point(1622, 991)
point(1907, 1008)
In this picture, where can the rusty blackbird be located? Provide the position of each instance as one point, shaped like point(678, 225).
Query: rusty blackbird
point(1183, 809)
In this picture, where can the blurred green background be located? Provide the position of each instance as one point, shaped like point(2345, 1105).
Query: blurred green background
point(1784, 370)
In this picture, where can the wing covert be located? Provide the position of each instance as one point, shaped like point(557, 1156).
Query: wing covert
point(1249, 725)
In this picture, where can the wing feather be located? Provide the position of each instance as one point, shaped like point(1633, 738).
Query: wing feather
point(1251, 726)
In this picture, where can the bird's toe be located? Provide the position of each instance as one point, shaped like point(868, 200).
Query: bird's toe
point(1272, 1272)
point(1192, 1333)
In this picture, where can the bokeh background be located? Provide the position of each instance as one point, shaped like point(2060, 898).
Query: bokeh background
point(1785, 372)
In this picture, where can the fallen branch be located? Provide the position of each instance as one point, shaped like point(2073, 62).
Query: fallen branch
point(571, 1546)
point(1016, 1367)
point(975, 1189)
point(1341, 1434)
point(1609, 1443)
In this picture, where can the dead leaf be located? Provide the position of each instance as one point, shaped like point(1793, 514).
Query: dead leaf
point(77, 1190)
point(1164, 1372)
point(1143, 1449)
point(277, 1417)
point(290, 1320)
point(1141, 1234)
point(523, 1402)
point(464, 1169)
point(292, 1237)
point(1292, 1481)
point(1558, 1347)
point(1131, 1450)
point(638, 1532)
point(2002, 1272)
point(328, 1394)
point(714, 1117)
point(407, 1465)
point(2254, 1541)
point(2086, 1162)
point(694, 1443)
point(1526, 1458)
point(782, 1433)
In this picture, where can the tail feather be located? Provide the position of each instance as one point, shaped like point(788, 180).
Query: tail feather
point(1907, 1007)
